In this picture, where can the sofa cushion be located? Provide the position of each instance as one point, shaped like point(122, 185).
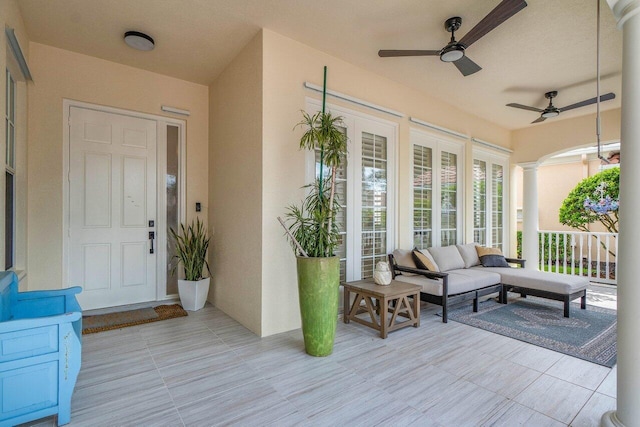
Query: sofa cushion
point(424, 260)
point(491, 257)
point(404, 258)
point(460, 281)
point(563, 284)
point(469, 254)
point(447, 257)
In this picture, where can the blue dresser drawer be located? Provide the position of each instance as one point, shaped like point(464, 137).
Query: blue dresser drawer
point(28, 343)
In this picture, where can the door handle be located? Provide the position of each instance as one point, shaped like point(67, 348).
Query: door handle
point(152, 235)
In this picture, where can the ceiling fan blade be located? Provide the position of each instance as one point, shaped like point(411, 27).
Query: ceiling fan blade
point(525, 107)
point(505, 10)
point(467, 66)
point(605, 97)
point(388, 53)
point(539, 119)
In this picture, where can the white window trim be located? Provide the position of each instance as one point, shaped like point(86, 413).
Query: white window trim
point(492, 158)
point(439, 144)
point(353, 121)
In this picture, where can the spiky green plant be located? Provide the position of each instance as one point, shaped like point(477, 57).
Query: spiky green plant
point(191, 245)
point(313, 224)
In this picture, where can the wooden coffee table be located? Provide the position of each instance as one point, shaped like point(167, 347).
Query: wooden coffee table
point(392, 302)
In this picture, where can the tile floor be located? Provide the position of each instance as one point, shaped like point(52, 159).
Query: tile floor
point(207, 369)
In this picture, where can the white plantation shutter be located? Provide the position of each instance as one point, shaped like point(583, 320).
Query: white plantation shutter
point(480, 202)
point(374, 202)
point(490, 200)
point(497, 206)
point(422, 196)
point(448, 199)
point(436, 190)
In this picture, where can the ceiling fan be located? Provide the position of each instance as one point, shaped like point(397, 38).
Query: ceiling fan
point(454, 51)
point(552, 111)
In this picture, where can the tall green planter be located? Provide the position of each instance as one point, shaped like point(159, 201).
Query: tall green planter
point(318, 288)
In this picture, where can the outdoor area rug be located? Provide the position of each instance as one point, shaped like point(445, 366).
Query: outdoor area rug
point(122, 319)
point(588, 334)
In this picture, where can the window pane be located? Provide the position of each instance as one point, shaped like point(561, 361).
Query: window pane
point(374, 202)
point(422, 196)
point(479, 202)
point(173, 201)
point(341, 215)
point(9, 221)
point(497, 222)
point(448, 198)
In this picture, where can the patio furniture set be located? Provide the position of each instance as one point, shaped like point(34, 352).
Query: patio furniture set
point(451, 275)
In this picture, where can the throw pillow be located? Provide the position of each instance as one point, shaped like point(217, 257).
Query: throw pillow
point(491, 257)
point(424, 261)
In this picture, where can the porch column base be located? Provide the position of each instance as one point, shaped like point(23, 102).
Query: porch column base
point(610, 419)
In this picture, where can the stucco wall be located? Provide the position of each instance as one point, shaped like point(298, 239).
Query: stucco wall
point(287, 65)
point(61, 74)
point(235, 179)
point(554, 136)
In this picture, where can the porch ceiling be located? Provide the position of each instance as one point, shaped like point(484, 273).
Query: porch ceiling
point(550, 45)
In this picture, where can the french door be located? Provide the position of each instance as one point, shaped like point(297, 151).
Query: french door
point(366, 191)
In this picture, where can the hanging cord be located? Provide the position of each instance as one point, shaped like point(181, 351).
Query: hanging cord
point(598, 129)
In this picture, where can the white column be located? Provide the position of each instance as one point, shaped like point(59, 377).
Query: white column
point(627, 413)
point(530, 214)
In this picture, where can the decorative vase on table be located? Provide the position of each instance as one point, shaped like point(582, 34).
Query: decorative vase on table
point(382, 274)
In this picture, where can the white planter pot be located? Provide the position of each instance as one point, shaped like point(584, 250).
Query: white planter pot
point(193, 295)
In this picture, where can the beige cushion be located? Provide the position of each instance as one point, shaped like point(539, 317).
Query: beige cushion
point(404, 258)
point(447, 257)
point(563, 284)
point(424, 260)
point(469, 254)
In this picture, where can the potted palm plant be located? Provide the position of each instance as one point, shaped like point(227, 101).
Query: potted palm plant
point(191, 244)
point(314, 235)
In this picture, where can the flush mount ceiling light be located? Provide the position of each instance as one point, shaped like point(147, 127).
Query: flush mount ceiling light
point(138, 40)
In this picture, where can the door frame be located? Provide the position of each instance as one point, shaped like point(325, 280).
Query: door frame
point(161, 199)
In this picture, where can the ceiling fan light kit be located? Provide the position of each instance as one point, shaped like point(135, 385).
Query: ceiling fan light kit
point(454, 51)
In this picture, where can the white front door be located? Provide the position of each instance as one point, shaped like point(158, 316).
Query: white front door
point(112, 201)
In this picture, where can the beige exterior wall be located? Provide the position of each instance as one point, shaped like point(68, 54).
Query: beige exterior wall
point(61, 74)
point(287, 65)
point(539, 142)
point(236, 183)
point(10, 17)
point(555, 181)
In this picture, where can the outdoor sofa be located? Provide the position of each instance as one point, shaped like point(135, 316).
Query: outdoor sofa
point(453, 274)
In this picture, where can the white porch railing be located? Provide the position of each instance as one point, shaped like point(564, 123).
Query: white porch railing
point(580, 253)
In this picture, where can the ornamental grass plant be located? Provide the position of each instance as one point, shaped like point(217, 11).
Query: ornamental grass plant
point(191, 244)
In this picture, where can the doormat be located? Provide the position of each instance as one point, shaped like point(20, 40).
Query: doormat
point(122, 319)
point(588, 334)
